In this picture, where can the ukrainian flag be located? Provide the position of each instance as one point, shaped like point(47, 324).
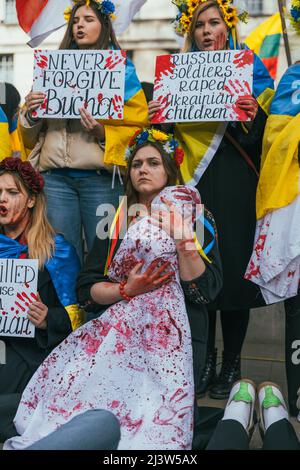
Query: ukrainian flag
point(14, 136)
point(5, 140)
point(279, 177)
point(119, 132)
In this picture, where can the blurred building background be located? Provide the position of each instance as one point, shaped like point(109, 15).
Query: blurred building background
point(150, 34)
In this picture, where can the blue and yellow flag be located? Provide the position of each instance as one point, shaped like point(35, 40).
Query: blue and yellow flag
point(118, 133)
point(5, 140)
point(14, 136)
point(278, 185)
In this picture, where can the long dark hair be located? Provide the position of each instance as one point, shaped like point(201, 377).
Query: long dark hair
point(12, 101)
point(107, 36)
point(173, 172)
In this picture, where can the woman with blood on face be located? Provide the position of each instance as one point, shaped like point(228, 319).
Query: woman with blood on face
point(26, 233)
point(135, 359)
point(228, 189)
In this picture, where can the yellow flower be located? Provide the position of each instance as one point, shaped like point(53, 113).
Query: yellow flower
point(158, 135)
point(67, 13)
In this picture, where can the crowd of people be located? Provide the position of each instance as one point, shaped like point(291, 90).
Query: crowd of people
point(125, 336)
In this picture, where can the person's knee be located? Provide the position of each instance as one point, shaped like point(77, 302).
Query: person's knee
point(106, 421)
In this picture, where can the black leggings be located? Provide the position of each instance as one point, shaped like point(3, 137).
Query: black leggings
point(230, 435)
point(234, 328)
point(292, 350)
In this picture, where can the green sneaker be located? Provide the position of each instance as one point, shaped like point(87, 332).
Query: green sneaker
point(243, 391)
point(269, 396)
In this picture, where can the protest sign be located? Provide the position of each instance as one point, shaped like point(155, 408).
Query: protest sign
point(202, 86)
point(71, 80)
point(18, 289)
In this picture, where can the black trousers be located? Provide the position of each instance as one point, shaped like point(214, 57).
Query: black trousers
point(230, 435)
point(8, 408)
point(292, 350)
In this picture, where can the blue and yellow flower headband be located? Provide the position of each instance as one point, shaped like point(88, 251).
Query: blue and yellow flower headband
point(169, 144)
point(186, 9)
point(104, 6)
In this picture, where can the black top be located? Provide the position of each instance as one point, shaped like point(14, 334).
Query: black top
point(34, 350)
point(228, 188)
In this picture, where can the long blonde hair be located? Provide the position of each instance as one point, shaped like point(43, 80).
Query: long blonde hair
point(189, 41)
point(39, 232)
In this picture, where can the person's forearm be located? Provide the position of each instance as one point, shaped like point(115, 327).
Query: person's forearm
point(191, 265)
point(106, 293)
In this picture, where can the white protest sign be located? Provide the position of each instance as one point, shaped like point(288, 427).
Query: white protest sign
point(18, 289)
point(202, 86)
point(71, 80)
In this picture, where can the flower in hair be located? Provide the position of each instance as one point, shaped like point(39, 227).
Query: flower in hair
point(31, 178)
point(169, 144)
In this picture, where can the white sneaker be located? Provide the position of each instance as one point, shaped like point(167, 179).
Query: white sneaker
point(272, 406)
point(241, 403)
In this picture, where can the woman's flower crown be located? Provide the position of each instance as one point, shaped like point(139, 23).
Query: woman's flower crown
point(32, 179)
point(169, 144)
point(104, 6)
point(186, 9)
point(295, 15)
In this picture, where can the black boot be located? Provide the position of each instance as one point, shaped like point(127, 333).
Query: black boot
point(208, 375)
point(230, 373)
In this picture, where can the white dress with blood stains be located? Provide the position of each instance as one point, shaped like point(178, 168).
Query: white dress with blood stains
point(135, 360)
point(275, 261)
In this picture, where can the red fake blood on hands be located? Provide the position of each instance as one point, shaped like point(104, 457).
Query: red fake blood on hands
point(240, 113)
point(243, 58)
point(159, 116)
point(85, 104)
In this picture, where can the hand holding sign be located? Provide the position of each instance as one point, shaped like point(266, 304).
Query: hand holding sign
point(248, 104)
point(153, 107)
point(37, 313)
point(204, 86)
point(34, 100)
point(75, 79)
point(90, 124)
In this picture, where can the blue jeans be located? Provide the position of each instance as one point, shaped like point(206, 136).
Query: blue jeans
point(72, 203)
point(92, 430)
